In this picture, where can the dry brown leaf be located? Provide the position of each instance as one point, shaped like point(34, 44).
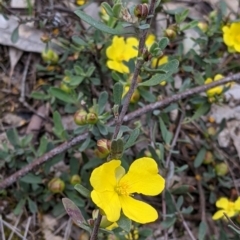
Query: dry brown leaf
point(29, 38)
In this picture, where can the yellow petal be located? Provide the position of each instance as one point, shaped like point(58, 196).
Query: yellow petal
point(214, 91)
point(111, 227)
point(109, 202)
point(219, 214)
point(143, 177)
point(237, 46)
point(218, 77)
point(137, 210)
point(163, 60)
point(222, 203)
point(237, 204)
point(103, 178)
point(118, 66)
point(208, 80)
point(131, 41)
point(115, 50)
point(226, 29)
point(150, 40)
point(119, 172)
point(235, 27)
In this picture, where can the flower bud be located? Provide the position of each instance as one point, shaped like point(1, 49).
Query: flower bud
point(211, 131)
point(104, 146)
point(99, 154)
point(64, 85)
point(209, 158)
point(146, 55)
point(221, 169)
point(170, 33)
point(75, 179)
point(45, 38)
point(56, 185)
point(141, 11)
point(80, 117)
point(213, 15)
point(135, 97)
point(92, 118)
point(80, 2)
point(49, 56)
point(203, 26)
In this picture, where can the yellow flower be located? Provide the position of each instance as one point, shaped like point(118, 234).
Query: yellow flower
point(119, 51)
point(161, 61)
point(113, 189)
point(150, 40)
point(216, 90)
point(228, 207)
point(80, 2)
point(135, 96)
point(231, 36)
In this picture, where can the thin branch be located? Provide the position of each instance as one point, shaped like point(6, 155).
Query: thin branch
point(184, 222)
point(174, 139)
point(148, 108)
point(179, 96)
point(137, 69)
point(96, 227)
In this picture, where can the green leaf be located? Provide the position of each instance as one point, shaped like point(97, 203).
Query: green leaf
point(43, 146)
point(73, 212)
point(107, 8)
point(32, 206)
point(183, 189)
point(180, 17)
point(82, 190)
point(40, 96)
point(199, 158)
point(90, 71)
point(75, 81)
point(144, 26)
point(58, 126)
point(98, 25)
point(163, 42)
point(124, 223)
point(12, 136)
point(169, 67)
point(202, 230)
point(169, 222)
point(19, 208)
point(117, 93)
point(201, 111)
point(102, 102)
point(15, 35)
point(77, 40)
point(102, 129)
point(60, 94)
point(192, 24)
point(117, 9)
point(85, 144)
point(31, 178)
point(132, 138)
point(78, 70)
point(148, 96)
point(166, 135)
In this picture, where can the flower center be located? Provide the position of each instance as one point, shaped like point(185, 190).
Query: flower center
point(230, 205)
point(122, 189)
